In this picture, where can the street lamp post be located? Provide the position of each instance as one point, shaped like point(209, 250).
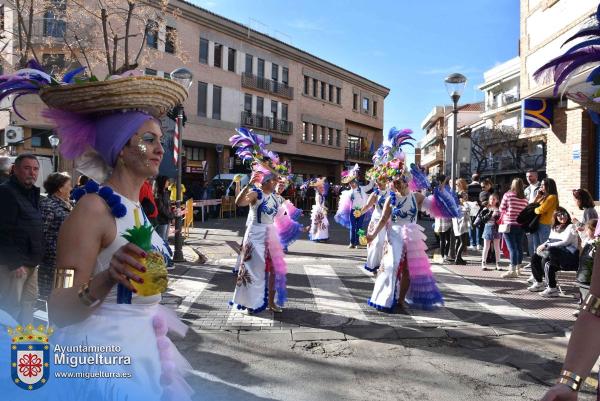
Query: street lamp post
point(455, 84)
point(54, 141)
point(184, 77)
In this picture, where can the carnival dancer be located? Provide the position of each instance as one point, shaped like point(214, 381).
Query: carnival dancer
point(119, 261)
point(262, 269)
point(319, 224)
point(405, 271)
point(376, 201)
point(351, 202)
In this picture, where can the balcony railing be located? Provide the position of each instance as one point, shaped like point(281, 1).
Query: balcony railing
point(501, 101)
point(266, 85)
point(355, 154)
point(267, 123)
point(431, 157)
point(510, 164)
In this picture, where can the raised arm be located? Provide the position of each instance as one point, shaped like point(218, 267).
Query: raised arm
point(584, 347)
point(368, 187)
point(246, 196)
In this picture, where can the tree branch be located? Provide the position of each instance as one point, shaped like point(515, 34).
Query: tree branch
point(131, 5)
point(105, 35)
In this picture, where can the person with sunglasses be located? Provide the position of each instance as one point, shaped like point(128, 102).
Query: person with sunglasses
point(559, 252)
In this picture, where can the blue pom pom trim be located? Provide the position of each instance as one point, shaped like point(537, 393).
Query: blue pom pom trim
point(369, 269)
point(114, 201)
point(260, 308)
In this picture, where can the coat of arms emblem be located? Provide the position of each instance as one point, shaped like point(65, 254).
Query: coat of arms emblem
point(30, 356)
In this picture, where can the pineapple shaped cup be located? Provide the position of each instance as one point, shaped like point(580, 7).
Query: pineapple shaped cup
point(155, 276)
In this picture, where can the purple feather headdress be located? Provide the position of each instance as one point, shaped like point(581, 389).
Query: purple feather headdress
point(562, 68)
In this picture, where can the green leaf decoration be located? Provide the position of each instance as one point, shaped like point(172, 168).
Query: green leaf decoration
point(361, 233)
point(140, 236)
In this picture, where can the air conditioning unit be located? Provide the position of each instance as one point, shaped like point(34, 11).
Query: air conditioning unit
point(13, 134)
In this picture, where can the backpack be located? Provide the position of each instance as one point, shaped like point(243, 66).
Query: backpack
point(529, 219)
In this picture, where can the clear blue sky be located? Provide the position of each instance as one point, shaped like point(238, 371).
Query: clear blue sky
point(408, 46)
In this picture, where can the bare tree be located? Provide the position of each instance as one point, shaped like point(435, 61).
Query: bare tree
point(106, 36)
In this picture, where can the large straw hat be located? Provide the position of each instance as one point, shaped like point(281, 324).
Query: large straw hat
point(153, 95)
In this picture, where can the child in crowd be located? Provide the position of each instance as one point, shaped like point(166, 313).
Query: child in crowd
point(489, 219)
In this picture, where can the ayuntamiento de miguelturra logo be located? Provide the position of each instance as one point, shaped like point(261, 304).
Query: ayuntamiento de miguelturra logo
point(30, 356)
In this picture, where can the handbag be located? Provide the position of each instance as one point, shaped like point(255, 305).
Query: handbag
point(503, 228)
point(529, 219)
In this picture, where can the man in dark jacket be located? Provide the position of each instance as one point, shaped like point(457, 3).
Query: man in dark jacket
point(21, 239)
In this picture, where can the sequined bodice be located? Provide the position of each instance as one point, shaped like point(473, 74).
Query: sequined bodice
point(265, 208)
point(404, 208)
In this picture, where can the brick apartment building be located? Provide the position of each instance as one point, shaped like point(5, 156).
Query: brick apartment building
point(315, 114)
point(573, 141)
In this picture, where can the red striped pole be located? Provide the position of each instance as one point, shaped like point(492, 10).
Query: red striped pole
point(176, 142)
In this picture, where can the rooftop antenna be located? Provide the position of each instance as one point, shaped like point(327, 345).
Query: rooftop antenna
point(289, 38)
point(256, 22)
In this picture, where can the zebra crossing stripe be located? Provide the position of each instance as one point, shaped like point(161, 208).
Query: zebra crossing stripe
point(330, 294)
point(480, 295)
point(437, 316)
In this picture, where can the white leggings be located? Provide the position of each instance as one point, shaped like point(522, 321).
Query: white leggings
point(486, 249)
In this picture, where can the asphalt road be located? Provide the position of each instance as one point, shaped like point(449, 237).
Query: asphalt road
point(329, 345)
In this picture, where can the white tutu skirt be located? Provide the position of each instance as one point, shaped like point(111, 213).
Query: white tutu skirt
point(157, 368)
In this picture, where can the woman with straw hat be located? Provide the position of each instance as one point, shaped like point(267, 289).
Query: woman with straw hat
point(351, 202)
point(262, 269)
point(111, 129)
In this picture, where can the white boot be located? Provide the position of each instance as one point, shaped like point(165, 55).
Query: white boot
point(484, 266)
point(511, 273)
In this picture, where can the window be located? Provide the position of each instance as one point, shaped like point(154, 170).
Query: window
point(202, 95)
point(354, 101)
point(203, 51)
point(166, 75)
point(314, 132)
point(231, 60)
point(330, 137)
point(274, 109)
point(170, 37)
point(2, 17)
point(260, 106)
point(218, 55)
point(306, 85)
point(285, 76)
point(193, 153)
point(152, 34)
point(150, 71)
point(315, 87)
point(248, 68)
point(284, 112)
point(331, 93)
point(365, 104)
point(374, 108)
point(323, 134)
point(54, 25)
point(338, 99)
point(53, 63)
point(304, 131)
point(338, 137)
point(216, 115)
point(354, 143)
point(248, 103)
point(39, 138)
point(261, 68)
point(323, 90)
point(274, 72)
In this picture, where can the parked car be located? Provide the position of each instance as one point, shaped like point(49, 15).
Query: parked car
point(226, 180)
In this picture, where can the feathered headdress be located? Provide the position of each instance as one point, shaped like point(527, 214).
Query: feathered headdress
point(561, 69)
point(94, 119)
point(251, 148)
